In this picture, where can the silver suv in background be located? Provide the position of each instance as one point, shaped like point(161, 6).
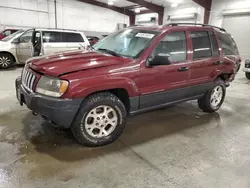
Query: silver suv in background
point(24, 44)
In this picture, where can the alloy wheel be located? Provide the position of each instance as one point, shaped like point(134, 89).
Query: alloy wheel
point(101, 121)
point(5, 61)
point(216, 96)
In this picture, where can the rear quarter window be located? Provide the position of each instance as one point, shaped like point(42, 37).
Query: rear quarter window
point(228, 44)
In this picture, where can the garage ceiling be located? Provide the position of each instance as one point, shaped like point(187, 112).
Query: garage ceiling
point(125, 3)
point(130, 5)
point(118, 3)
point(133, 7)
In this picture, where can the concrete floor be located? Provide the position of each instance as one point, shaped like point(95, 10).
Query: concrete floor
point(175, 147)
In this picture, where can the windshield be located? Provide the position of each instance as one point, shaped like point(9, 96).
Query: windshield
point(128, 42)
point(12, 35)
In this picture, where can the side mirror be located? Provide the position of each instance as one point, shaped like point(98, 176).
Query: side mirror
point(15, 41)
point(160, 59)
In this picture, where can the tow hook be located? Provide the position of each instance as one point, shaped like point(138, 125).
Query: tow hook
point(34, 113)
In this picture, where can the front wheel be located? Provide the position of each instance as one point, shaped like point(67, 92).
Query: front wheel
point(6, 60)
point(248, 75)
point(100, 120)
point(213, 98)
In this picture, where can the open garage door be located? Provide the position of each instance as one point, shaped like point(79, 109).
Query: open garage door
point(238, 26)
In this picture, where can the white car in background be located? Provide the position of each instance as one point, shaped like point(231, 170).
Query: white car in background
point(24, 44)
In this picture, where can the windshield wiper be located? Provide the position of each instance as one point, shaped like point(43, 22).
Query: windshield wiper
point(109, 52)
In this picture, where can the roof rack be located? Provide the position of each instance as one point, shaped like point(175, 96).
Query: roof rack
point(135, 25)
point(203, 25)
point(56, 29)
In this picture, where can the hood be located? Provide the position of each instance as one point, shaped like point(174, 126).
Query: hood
point(67, 62)
point(4, 45)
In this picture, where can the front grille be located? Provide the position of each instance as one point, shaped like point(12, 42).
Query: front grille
point(247, 65)
point(28, 79)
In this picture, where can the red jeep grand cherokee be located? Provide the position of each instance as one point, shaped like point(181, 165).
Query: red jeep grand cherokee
point(134, 70)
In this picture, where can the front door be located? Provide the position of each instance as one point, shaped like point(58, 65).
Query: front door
point(25, 46)
point(163, 84)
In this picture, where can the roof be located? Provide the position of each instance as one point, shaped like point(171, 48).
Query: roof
point(174, 25)
point(53, 29)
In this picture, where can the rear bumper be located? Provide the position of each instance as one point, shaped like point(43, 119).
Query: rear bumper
point(59, 111)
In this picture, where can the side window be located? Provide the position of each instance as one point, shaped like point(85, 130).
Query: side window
point(174, 44)
point(228, 45)
point(201, 44)
point(215, 47)
point(13, 31)
point(26, 37)
point(72, 37)
point(52, 36)
point(7, 33)
point(90, 39)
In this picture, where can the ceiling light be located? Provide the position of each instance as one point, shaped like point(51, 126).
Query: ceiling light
point(111, 3)
point(137, 10)
point(174, 5)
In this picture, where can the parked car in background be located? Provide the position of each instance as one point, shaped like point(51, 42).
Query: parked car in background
point(133, 70)
point(246, 69)
point(17, 48)
point(7, 32)
point(92, 40)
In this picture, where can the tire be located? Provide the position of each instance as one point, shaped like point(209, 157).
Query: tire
point(248, 75)
point(87, 118)
point(207, 104)
point(6, 61)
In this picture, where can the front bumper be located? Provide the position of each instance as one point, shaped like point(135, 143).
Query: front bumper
point(60, 111)
point(246, 69)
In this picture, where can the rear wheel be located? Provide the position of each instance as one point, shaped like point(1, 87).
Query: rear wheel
point(6, 61)
point(248, 75)
point(213, 98)
point(100, 120)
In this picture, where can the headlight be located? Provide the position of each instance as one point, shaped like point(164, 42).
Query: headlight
point(51, 86)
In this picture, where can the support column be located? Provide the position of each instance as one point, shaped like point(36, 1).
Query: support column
point(206, 16)
point(132, 20)
point(160, 18)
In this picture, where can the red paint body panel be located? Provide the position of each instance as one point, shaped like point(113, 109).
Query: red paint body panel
point(90, 72)
point(2, 35)
point(67, 62)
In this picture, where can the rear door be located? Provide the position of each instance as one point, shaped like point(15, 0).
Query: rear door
point(74, 41)
point(24, 48)
point(53, 42)
point(206, 57)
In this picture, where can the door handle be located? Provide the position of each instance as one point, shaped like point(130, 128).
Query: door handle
point(218, 63)
point(183, 69)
